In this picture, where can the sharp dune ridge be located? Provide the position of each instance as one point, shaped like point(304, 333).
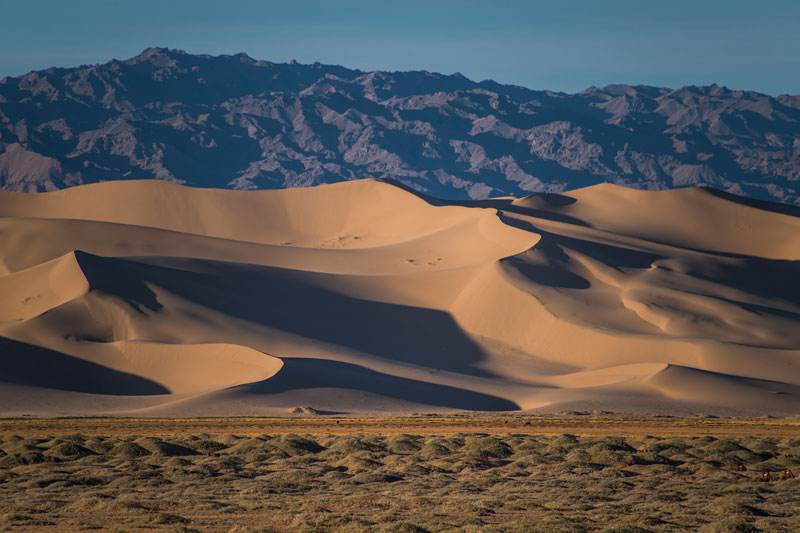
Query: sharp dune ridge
point(151, 298)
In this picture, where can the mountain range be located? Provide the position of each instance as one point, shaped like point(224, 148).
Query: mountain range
point(232, 121)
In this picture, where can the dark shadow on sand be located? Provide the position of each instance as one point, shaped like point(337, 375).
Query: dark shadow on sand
point(299, 303)
point(26, 364)
point(302, 374)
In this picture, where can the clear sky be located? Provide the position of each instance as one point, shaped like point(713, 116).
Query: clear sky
point(563, 45)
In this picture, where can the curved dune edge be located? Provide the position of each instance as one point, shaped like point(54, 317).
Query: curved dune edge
point(31, 292)
point(613, 375)
point(692, 384)
point(135, 368)
point(348, 215)
point(193, 368)
point(679, 217)
point(379, 300)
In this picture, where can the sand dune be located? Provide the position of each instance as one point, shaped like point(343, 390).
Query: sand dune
point(151, 298)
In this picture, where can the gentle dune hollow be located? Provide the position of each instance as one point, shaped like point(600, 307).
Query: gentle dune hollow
point(150, 298)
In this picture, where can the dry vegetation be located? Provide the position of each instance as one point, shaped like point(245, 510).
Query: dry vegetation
point(381, 479)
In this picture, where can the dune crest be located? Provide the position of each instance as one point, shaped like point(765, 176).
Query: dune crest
point(150, 297)
point(35, 290)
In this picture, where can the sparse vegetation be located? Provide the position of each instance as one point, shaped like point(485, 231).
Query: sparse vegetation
point(398, 482)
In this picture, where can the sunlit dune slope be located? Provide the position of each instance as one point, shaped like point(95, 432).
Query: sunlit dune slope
point(148, 297)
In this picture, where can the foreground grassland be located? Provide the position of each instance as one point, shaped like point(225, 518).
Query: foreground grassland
point(404, 474)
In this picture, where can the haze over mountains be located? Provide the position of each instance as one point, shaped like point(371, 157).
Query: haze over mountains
point(146, 297)
point(235, 122)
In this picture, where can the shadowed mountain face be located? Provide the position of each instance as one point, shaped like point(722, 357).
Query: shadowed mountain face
point(235, 122)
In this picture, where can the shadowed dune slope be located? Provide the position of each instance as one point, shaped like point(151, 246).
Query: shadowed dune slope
point(149, 297)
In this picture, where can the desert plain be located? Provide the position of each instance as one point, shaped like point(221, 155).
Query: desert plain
point(466, 472)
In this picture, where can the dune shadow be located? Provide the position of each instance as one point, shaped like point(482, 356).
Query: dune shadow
point(764, 205)
point(552, 270)
point(113, 276)
point(26, 364)
point(617, 256)
point(301, 304)
point(733, 378)
point(303, 374)
point(511, 205)
point(504, 205)
point(554, 199)
point(774, 279)
point(548, 275)
point(539, 213)
point(548, 263)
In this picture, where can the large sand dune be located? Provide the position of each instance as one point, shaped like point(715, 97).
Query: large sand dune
point(145, 297)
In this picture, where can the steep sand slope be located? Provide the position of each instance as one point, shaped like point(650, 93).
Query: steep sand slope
point(148, 297)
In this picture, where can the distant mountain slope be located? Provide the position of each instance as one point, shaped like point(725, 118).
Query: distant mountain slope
point(232, 121)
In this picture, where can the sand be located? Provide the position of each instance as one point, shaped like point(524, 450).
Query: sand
point(146, 298)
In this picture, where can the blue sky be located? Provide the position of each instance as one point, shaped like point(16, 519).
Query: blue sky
point(563, 45)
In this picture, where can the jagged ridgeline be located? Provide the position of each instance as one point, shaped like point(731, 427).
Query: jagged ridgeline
point(235, 122)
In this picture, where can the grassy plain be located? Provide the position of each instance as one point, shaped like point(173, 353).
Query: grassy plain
point(576, 472)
